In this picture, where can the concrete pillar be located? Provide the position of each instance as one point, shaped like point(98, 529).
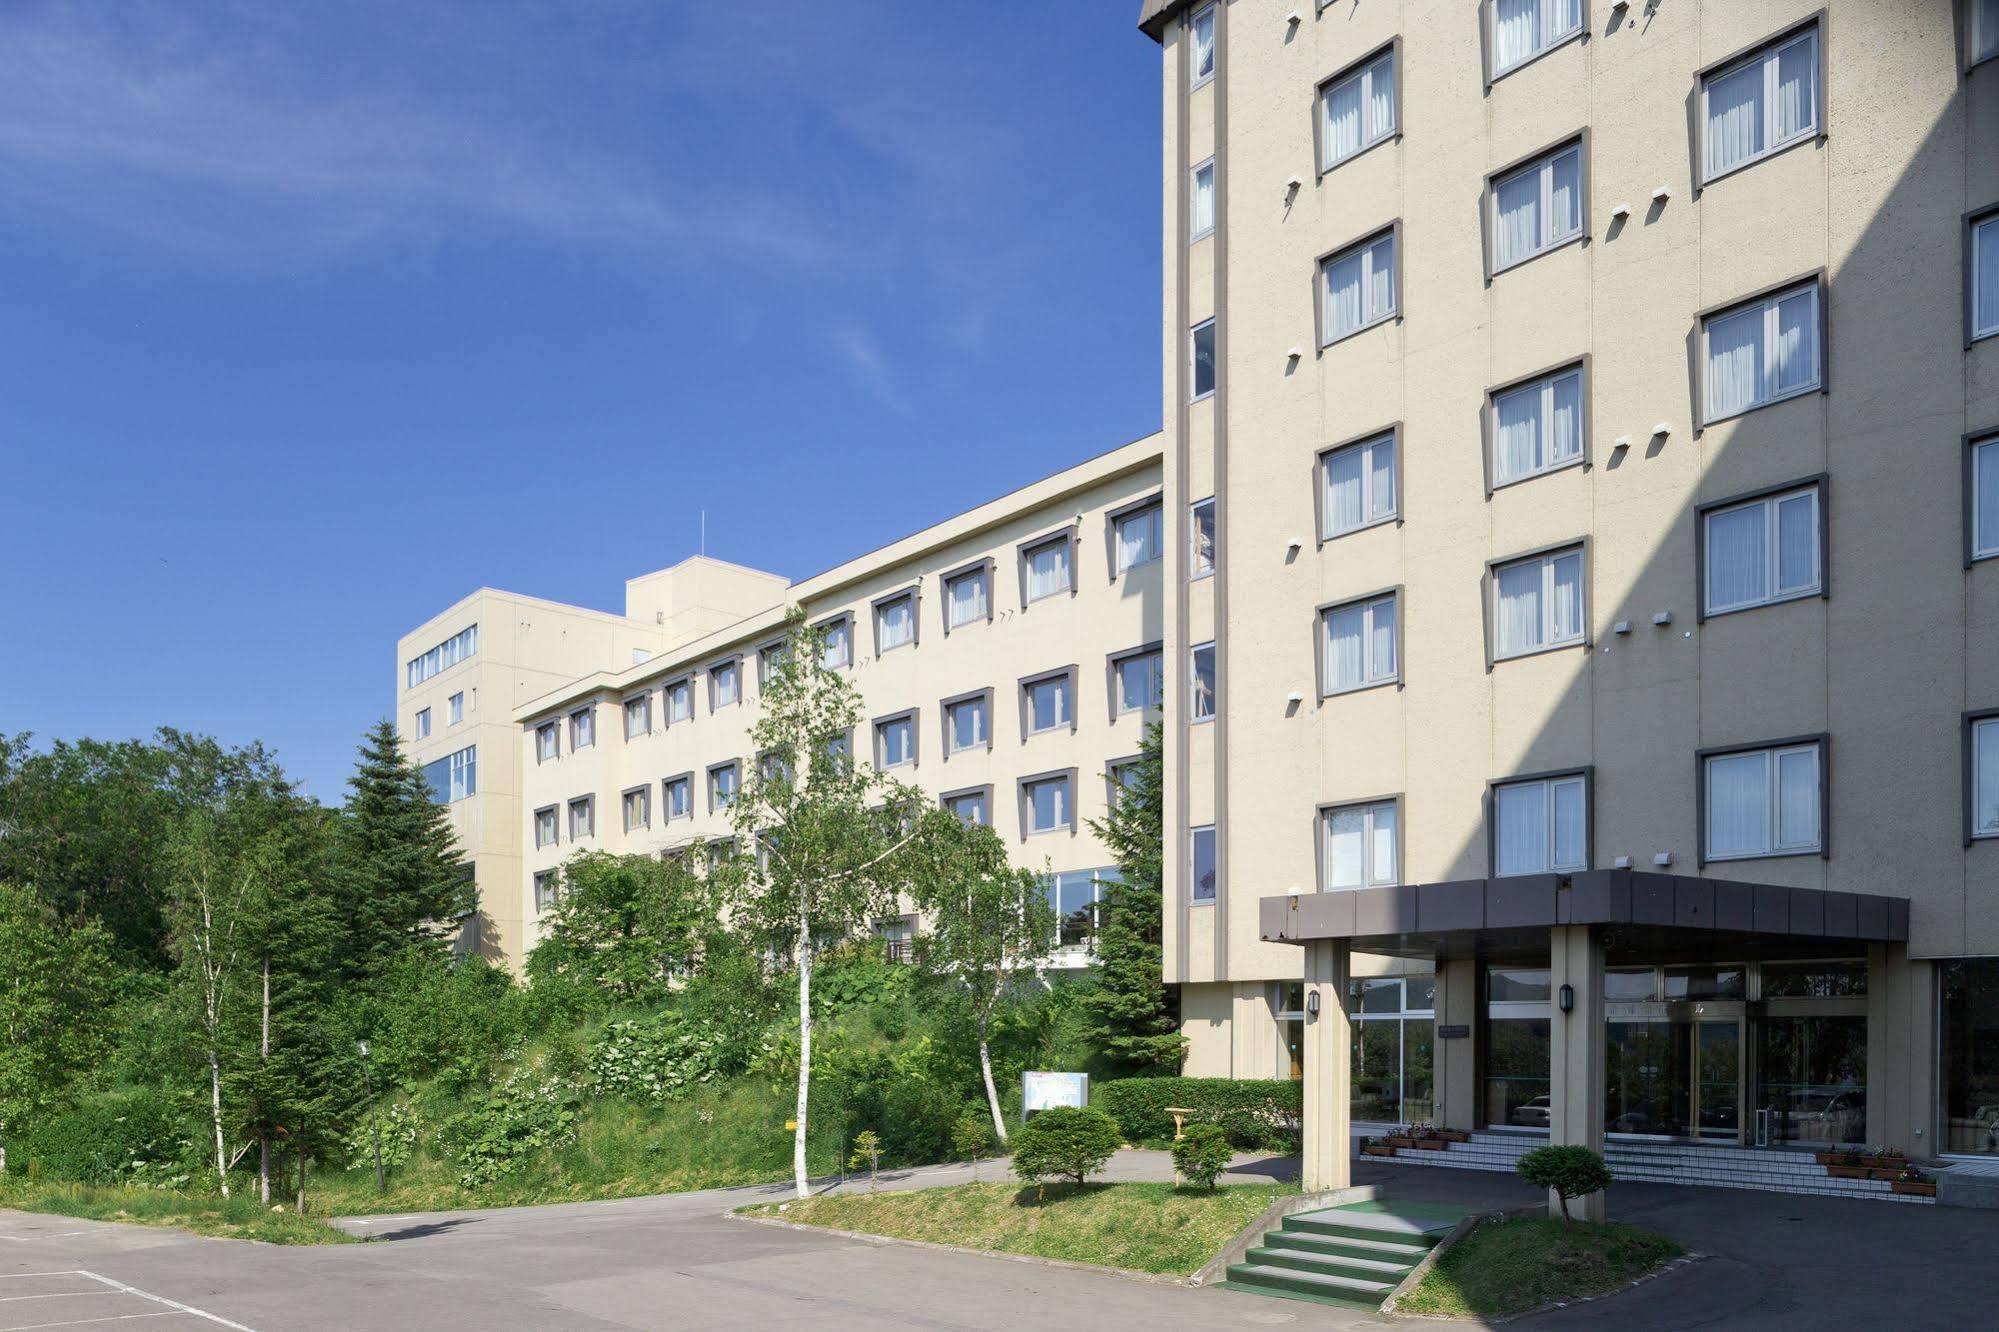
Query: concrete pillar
point(1456, 1058)
point(1328, 1145)
point(1902, 1108)
point(1575, 1056)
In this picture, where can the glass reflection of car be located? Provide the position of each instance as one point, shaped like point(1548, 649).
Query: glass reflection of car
point(1642, 1121)
point(1825, 1115)
point(1532, 1113)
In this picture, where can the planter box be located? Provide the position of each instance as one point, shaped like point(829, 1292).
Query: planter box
point(1377, 1149)
point(1400, 1142)
point(1431, 1144)
point(1454, 1135)
point(1832, 1158)
point(1847, 1172)
point(1915, 1189)
point(1885, 1172)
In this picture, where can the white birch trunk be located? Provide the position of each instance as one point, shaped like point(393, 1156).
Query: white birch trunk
point(992, 1092)
point(264, 1136)
point(804, 1053)
point(215, 1113)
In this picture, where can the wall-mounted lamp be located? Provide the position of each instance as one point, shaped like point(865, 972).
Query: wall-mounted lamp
point(1567, 998)
point(1312, 1004)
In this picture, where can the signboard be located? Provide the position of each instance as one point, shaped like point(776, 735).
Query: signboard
point(1454, 1033)
point(1044, 1091)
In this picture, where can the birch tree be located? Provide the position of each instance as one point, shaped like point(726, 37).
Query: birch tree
point(989, 925)
point(827, 841)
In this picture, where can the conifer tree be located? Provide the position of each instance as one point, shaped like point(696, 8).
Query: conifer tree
point(1136, 1014)
point(404, 880)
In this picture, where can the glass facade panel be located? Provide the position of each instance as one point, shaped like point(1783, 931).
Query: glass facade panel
point(1516, 1071)
point(1630, 984)
point(1811, 1079)
point(1970, 1049)
point(1723, 982)
point(1377, 1072)
point(1814, 980)
point(1513, 985)
point(1645, 1077)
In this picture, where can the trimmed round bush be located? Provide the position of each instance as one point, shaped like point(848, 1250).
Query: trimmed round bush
point(1570, 1171)
point(1203, 1154)
point(1067, 1142)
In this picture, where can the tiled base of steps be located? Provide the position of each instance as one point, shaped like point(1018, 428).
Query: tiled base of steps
point(1758, 1168)
point(1353, 1256)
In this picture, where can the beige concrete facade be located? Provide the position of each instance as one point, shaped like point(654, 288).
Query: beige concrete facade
point(1874, 668)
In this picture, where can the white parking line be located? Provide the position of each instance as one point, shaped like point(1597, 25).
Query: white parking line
point(79, 1322)
point(161, 1299)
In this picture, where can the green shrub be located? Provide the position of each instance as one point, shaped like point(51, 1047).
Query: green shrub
point(146, 1136)
point(1066, 1142)
point(518, 1121)
point(972, 1137)
point(1572, 1172)
point(399, 1125)
point(655, 1059)
point(1203, 1154)
point(1256, 1115)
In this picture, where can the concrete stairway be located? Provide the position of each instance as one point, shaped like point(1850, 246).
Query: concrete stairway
point(1353, 1256)
point(1765, 1169)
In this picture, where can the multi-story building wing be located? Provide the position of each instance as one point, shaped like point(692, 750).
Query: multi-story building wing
point(1007, 660)
point(1580, 501)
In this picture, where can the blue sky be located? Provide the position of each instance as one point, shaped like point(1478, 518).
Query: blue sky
point(290, 295)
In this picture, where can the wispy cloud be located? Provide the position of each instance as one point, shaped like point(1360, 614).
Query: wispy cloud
point(871, 369)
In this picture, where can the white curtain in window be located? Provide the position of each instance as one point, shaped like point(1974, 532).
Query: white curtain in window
point(1381, 479)
point(1519, 615)
point(1344, 108)
point(1797, 543)
point(680, 698)
point(1343, 296)
point(1566, 618)
point(725, 687)
point(1138, 539)
point(968, 599)
point(895, 623)
point(1346, 646)
point(1985, 463)
point(1565, 419)
point(1985, 253)
point(1985, 763)
point(1734, 118)
point(1520, 831)
point(1381, 868)
point(1569, 824)
point(1516, 31)
point(1381, 97)
point(1517, 433)
point(1517, 231)
point(833, 654)
point(1381, 646)
point(1346, 481)
point(1381, 278)
point(1795, 106)
point(1736, 543)
point(1204, 44)
point(1204, 199)
point(1798, 798)
point(1734, 356)
point(1738, 804)
point(1794, 356)
point(1048, 571)
point(1565, 196)
point(1346, 848)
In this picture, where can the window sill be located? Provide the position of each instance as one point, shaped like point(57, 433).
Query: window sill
point(1570, 646)
point(1529, 874)
point(1064, 728)
point(1392, 317)
point(1201, 397)
point(1580, 238)
point(1032, 833)
point(1814, 853)
point(1981, 335)
point(1708, 423)
point(1393, 682)
point(1047, 596)
point(1200, 236)
point(1786, 599)
point(1201, 721)
point(1328, 168)
point(1203, 574)
point(1200, 901)
point(1581, 460)
point(1580, 34)
point(1325, 538)
point(1815, 136)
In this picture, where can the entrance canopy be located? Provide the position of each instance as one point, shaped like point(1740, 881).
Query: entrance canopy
point(1482, 917)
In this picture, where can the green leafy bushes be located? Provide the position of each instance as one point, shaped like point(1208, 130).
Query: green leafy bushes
point(1067, 1142)
point(1255, 1115)
point(519, 1120)
point(655, 1059)
point(145, 1136)
point(1202, 1155)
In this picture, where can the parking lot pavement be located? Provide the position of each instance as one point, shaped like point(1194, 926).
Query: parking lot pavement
point(74, 1297)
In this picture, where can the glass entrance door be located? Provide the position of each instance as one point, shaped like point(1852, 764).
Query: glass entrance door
point(1717, 1079)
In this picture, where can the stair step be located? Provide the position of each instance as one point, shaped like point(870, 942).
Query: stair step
point(1380, 1250)
point(1304, 1260)
point(1311, 1283)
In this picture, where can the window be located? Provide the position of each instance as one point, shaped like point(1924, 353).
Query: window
point(1537, 426)
point(1047, 570)
point(1139, 682)
point(969, 806)
point(1523, 29)
point(968, 597)
point(1137, 537)
point(1984, 498)
point(1538, 604)
point(546, 831)
point(1359, 284)
point(679, 702)
point(840, 749)
point(455, 776)
point(442, 657)
point(423, 723)
point(1201, 350)
point(1764, 102)
point(773, 768)
point(678, 795)
point(454, 709)
point(769, 657)
point(1201, 679)
point(546, 742)
point(1201, 202)
point(1984, 277)
point(895, 622)
point(1358, 483)
point(895, 741)
point(1393, 1049)
point(1201, 539)
point(1761, 551)
point(638, 716)
point(1050, 705)
point(545, 890)
point(1761, 352)
point(1125, 775)
point(1360, 846)
point(582, 817)
point(638, 809)
point(1360, 645)
point(1357, 110)
point(582, 729)
point(1982, 768)
point(1763, 802)
point(968, 723)
point(725, 685)
point(1047, 804)
point(1201, 882)
point(1540, 826)
point(1074, 897)
point(723, 781)
point(1201, 59)
point(836, 644)
point(1984, 23)
point(1538, 207)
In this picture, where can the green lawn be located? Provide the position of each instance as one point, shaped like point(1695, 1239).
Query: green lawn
point(1508, 1267)
point(204, 1214)
point(1143, 1227)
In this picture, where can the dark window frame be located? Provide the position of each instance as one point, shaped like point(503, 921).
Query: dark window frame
point(1820, 482)
point(1823, 739)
